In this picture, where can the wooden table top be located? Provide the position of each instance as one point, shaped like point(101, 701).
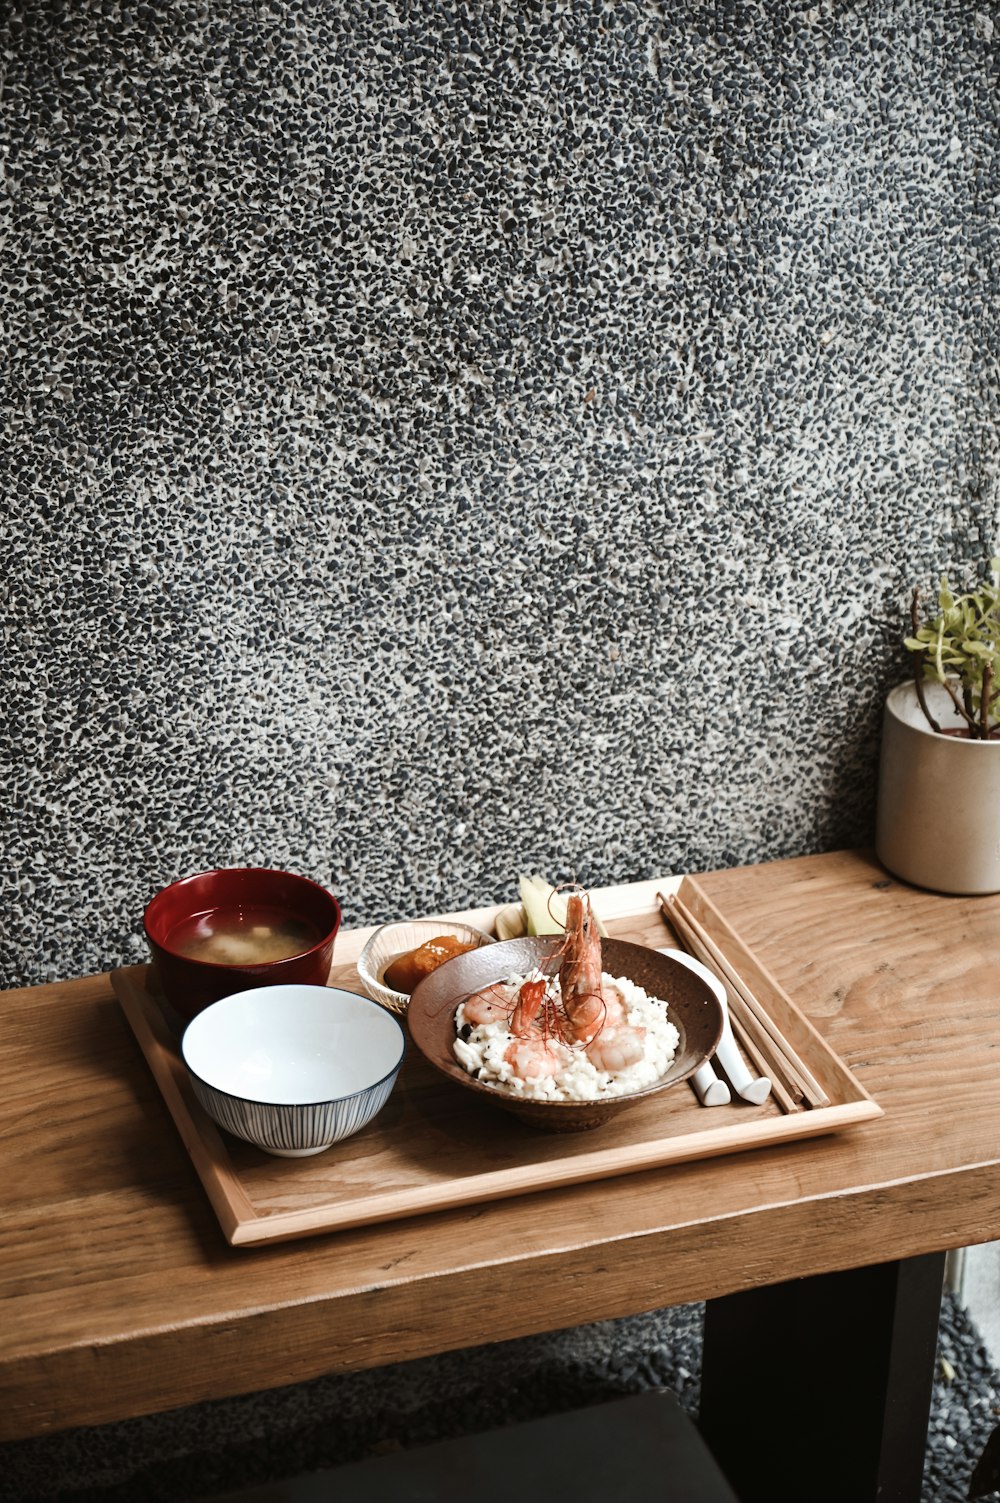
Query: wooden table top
point(121, 1296)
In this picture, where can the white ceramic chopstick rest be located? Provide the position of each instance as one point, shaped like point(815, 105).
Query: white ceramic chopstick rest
point(753, 1088)
point(709, 1089)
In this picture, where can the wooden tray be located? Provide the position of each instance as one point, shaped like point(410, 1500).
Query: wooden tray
point(434, 1146)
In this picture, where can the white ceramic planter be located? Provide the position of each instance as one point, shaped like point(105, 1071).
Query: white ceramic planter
point(938, 822)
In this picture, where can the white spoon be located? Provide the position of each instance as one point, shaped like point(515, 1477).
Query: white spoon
point(753, 1088)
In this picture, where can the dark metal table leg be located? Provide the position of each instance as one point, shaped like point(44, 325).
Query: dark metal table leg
point(821, 1388)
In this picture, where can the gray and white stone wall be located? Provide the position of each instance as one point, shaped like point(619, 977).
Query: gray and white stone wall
point(442, 440)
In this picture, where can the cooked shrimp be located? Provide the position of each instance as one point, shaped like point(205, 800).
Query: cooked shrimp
point(583, 1000)
point(492, 1005)
point(533, 1057)
point(526, 1010)
point(615, 1010)
point(616, 1047)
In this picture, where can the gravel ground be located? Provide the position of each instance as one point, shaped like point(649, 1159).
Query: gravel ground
point(965, 1409)
point(194, 1453)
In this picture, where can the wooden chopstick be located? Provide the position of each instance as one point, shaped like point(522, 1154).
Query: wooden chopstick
point(812, 1090)
point(766, 1060)
point(769, 1040)
point(782, 1095)
point(794, 1070)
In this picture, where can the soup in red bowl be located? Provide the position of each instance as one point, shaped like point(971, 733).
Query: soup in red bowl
point(229, 930)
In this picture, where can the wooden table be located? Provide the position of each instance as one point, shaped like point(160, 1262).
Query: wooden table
point(821, 1258)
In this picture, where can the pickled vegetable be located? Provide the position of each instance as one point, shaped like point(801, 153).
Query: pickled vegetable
point(405, 972)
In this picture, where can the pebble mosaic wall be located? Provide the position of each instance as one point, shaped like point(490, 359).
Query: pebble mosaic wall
point(447, 440)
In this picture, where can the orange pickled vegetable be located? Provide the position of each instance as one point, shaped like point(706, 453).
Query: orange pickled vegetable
point(403, 973)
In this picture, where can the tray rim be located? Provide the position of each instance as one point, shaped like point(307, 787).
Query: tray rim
point(243, 1225)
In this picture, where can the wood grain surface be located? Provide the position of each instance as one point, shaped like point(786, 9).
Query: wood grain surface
point(121, 1295)
point(434, 1147)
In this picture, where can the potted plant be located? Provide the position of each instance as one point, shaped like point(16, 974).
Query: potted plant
point(938, 822)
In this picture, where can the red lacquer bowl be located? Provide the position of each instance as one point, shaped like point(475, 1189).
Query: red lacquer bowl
point(189, 984)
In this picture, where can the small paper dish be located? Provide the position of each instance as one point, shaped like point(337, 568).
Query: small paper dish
point(393, 940)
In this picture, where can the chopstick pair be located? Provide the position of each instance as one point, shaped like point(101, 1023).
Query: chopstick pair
point(793, 1084)
point(734, 1036)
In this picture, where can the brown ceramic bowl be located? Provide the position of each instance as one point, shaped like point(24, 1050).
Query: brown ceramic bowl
point(694, 1009)
point(190, 983)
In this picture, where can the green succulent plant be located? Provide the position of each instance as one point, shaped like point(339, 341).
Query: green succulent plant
point(960, 648)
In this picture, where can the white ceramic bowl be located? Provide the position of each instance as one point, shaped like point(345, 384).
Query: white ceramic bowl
point(293, 1068)
point(396, 939)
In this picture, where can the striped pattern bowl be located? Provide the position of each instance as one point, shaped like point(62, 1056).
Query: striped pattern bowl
point(295, 1068)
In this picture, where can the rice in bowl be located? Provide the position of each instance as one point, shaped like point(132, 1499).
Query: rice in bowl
point(482, 1048)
